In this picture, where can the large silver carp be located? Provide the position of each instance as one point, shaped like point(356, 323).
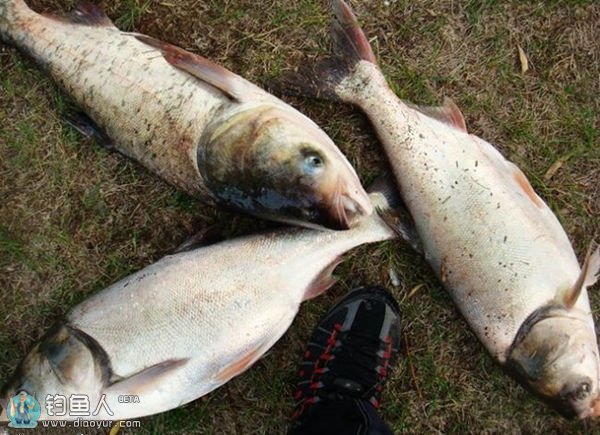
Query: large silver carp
point(186, 324)
point(197, 125)
point(492, 241)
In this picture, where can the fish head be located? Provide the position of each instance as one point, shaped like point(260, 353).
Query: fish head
point(59, 363)
point(273, 162)
point(33, 372)
point(555, 354)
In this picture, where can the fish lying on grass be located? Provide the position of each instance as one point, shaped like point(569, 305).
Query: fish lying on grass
point(492, 241)
point(200, 127)
point(188, 323)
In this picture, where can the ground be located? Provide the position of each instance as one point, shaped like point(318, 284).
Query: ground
point(75, 218)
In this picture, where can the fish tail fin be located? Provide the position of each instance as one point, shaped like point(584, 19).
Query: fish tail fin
point(331, 78)
point(350, 43)
point(10, 12)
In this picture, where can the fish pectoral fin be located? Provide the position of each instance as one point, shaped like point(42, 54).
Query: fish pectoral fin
point(88, 128)
point(205, 237)
point(147, 379)
point(402, 223)
point(593, 272)
point(323, 281)
point(448, 113)
point(587, 277)
point(232, 85)
point(385, 185)
point(86, 13)
point(242, 363)
point(393, 211)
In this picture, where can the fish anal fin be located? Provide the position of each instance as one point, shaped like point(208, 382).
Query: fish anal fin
point(448, 113)
point(240, 365)
point(86, 13)
point(323, 281)
point(525, 186)
point(587, 277)
point(146, 379)
point(230, 84)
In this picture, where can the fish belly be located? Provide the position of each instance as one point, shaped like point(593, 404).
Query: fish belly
point(152, 112)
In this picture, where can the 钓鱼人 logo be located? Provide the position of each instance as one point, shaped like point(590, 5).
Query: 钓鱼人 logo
point(23, 410)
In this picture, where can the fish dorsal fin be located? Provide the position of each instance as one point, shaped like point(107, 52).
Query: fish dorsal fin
point(588, 276)
point(323, 281)
point(85, 13)
point(448, 113)
point(230, 84)
point(146, 379)
point(88, 13)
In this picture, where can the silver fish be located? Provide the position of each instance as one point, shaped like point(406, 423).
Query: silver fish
point(197, 125)
point(492, 241)
point(188, 323)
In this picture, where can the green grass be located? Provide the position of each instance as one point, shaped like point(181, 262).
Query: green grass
point(131, 13)
point(75, 218)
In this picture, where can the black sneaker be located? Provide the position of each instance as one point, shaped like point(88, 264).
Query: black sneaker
point(351, 351)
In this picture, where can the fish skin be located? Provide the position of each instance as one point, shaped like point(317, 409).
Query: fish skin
point(167, 119)
point(490, 239)
point(189, 322)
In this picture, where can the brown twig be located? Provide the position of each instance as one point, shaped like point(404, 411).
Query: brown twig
point(413, 372)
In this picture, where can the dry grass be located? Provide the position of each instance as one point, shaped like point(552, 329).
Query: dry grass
point(75, 218)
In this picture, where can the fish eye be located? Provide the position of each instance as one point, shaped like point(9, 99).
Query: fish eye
point(314, 160)
point(583, 390)
point(313, 163)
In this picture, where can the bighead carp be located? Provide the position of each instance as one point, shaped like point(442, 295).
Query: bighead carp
point(185, 325)
point(491, 240)
point(197, 125)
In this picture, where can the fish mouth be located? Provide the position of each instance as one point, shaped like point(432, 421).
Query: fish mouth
point(349, 206)
point(593, 411)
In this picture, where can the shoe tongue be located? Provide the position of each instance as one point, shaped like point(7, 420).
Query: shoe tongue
point(368, 319)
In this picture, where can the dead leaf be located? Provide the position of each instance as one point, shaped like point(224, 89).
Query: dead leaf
point(523, 59)
point(115, 429)
point(553, 169)
point(415, 289)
